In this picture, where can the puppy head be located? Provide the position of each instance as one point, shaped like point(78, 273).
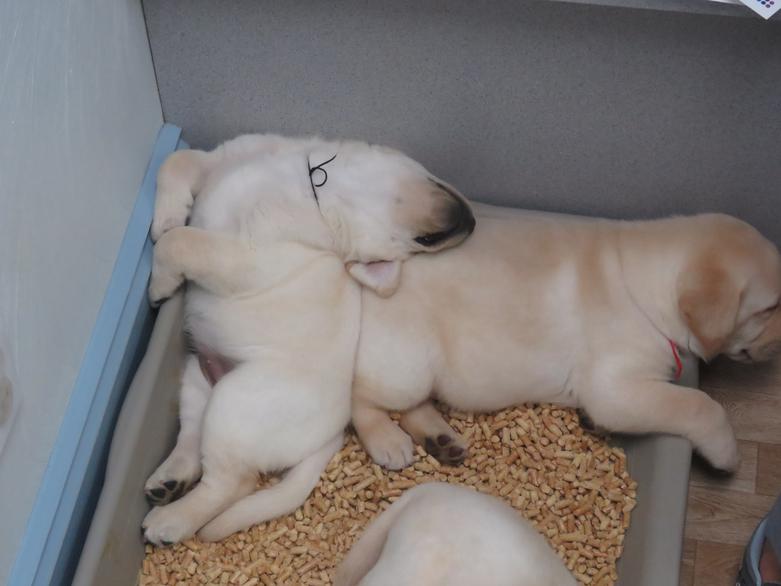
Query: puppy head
point(384, 207)
point(729, 293)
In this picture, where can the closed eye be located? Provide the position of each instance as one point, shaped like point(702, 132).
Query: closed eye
point(764, 314)
point(433, 239)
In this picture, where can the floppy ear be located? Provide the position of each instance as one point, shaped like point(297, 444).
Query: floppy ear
point(708, 302)
point(382, 277)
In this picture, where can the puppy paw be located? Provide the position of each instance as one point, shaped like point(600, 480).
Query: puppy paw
point(721, 453)
point(162, 289)
point(171, 212)
point(449, 450)
point(162, 226)
point(163, 526)
point(588, 424)
point(172, 479)
point(390, 447)
point(163, 284)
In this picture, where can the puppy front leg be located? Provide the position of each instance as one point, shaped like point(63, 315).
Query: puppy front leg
point(384, 441)
point(181, 176)
point(428, 428)
point(633, 406)
point(221, 264)
point(184, 172)
point(182, 468)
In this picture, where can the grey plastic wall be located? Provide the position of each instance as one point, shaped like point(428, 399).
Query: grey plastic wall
point(79, 113)
point(545, 105)
point(146, 431)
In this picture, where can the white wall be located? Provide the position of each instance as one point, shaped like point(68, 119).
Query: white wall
point(79, 113)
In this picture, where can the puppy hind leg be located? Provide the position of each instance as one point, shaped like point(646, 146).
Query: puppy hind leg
point(221, 486)
point(282, 498)
point(386, 443)
point(661, 407)
point(182, 468)
point(428, 428)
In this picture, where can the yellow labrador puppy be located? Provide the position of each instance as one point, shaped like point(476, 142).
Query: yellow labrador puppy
point(272, 312)
point(584, 313)
point(443, 535)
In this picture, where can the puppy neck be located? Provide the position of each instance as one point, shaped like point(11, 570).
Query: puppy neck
point(338, 228)
point(652, 255)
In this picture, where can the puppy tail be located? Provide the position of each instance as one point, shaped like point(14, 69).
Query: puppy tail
point(366, 551)
point(282, 498)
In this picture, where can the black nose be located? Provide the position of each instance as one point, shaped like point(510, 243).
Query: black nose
point(460, 221)
point(465, 218)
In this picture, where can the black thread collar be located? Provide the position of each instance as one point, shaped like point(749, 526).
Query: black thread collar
point(312, 171)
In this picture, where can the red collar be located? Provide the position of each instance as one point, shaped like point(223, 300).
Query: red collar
point(678, 363)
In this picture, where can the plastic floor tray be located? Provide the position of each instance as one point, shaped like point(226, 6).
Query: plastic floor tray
point(146, 431)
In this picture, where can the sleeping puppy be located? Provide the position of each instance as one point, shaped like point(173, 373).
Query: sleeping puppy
point(584, 313)
point(273, 313)
point(443, 535)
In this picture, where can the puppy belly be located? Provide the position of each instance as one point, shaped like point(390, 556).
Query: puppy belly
point(390, 396)
point(213, 365)
point(494, 391)
point(272, 417)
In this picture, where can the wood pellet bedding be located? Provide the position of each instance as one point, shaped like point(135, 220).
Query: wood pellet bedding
point(571, 485)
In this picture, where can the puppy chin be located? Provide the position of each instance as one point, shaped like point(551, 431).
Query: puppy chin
point(742, 356)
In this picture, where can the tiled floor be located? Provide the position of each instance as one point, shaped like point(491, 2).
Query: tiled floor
point(723, 512)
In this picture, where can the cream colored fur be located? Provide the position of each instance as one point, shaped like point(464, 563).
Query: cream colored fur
point(549, 308)
point(264, 258)
point(443, 535)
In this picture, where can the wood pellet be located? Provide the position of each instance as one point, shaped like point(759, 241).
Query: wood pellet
point(571, 485)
